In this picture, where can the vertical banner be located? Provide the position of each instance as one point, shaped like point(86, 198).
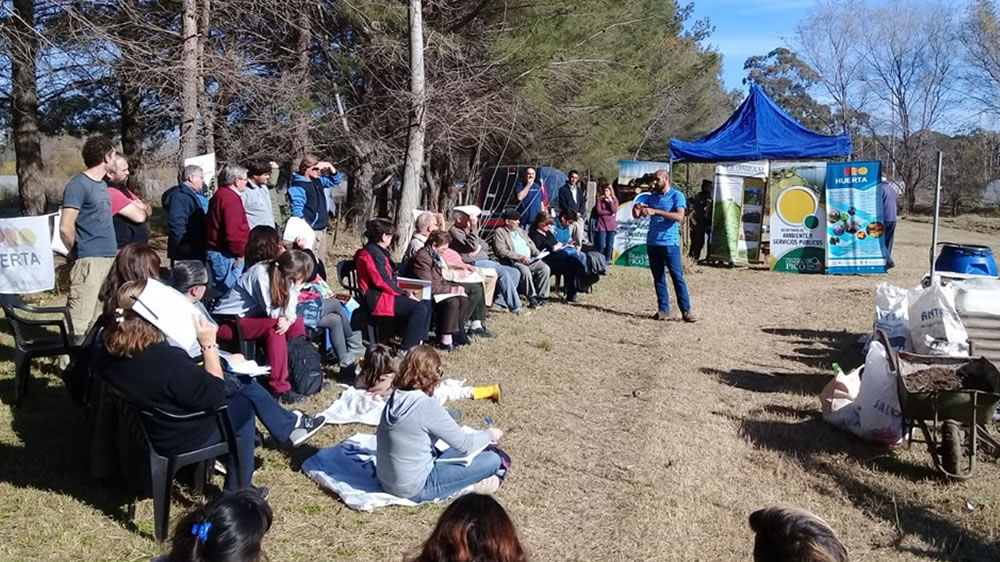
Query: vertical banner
point(207, 164)
point(26, 255)
point(737, 211)
point(854, 218)
point(634, 180)
point(798, 217)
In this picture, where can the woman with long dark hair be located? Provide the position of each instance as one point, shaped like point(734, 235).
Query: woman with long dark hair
point(227, 529)
point(474, 528)
point(134, 262)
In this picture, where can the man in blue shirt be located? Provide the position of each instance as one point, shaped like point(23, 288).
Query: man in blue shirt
point(531, 198)
point(889, 217)
point(665, 208)
point(307, 197)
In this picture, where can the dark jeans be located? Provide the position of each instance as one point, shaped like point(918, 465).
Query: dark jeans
point(416, 316)
point(241, 414)
point(697, 241)
point(888, 236)
point(662, 258)
point(606, 243)
point(569, 265)
point(278, 421)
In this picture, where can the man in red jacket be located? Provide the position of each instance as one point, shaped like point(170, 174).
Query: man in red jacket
point(227, 229)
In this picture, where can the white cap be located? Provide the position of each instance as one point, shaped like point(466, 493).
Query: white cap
point(471, 210)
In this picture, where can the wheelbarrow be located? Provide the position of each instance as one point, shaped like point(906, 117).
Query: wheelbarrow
point(953, 422)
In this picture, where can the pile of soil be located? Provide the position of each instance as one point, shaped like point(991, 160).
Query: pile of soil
point(941, 379)
point(934, 379)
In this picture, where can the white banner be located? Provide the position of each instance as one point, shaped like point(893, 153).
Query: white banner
point(26, 256)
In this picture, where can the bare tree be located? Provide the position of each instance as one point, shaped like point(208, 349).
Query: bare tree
point(981, 36)
point(23, 42)
point(911, 54)
point(190, 79)
point(412, 172)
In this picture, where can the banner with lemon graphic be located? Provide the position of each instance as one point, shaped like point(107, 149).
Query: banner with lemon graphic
point(26, 256)
point(854, 218)
point(798, 217)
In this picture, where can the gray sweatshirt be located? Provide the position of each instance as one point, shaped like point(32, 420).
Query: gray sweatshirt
point(411, 423)
point(251, 297)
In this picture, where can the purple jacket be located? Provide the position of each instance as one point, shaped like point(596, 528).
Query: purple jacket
point(606, 211)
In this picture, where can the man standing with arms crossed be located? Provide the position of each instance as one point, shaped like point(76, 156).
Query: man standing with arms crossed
point(86, 223)
point(665, 208)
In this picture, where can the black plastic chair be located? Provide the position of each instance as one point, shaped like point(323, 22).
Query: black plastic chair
point(248, 348)
point(32, 340)
point(347, 275)
point(163, 468)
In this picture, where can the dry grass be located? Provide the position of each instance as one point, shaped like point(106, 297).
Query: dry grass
point(631, 439)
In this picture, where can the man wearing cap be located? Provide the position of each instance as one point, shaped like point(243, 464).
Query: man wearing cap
point(513, 247)
point(466, 241)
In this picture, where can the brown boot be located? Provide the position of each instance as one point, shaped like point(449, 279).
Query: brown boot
point(688, 316)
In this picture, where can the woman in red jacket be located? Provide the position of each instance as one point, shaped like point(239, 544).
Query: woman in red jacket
point(377, 281)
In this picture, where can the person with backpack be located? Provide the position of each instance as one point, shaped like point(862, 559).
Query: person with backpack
point(264, 301)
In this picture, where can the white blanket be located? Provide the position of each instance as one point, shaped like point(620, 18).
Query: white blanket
point(348, 470)
point(361, 406)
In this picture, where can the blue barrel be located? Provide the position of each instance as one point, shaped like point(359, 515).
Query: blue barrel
point(966, 259)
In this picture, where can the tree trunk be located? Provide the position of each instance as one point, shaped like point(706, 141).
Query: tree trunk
point(132, 136)
point(204, 98)
point(415, 149)
point(300, 114)
point(433, 187)
point(190, 78)
point(359, 195)
point(24, 110)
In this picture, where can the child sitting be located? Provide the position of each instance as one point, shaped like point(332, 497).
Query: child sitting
point(379, 367)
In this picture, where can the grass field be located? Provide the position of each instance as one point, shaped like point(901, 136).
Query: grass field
point(631, 439)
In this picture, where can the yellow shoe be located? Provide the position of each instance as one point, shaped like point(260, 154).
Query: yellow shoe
point(491, 392)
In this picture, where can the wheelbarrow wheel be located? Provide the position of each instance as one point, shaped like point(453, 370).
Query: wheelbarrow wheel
point(951, 447)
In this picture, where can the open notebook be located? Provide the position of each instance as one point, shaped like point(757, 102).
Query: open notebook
point(464, 460)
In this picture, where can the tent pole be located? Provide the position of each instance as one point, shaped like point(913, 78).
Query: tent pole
point(937, 214)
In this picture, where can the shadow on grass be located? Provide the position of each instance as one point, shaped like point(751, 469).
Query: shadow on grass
point(756, 381)
point(807, 440)
point(605, 310)
point(820, 349)
point(55, 454)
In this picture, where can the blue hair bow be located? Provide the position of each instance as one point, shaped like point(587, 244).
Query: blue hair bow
point(201, 531)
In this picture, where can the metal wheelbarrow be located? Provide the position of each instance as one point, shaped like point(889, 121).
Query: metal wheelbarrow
point(953, 422)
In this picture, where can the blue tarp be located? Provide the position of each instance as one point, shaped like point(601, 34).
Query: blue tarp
point(760, 130)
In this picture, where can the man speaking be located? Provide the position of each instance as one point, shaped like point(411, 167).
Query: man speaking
point(665, 208)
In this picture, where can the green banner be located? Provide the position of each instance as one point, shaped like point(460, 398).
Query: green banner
point(737, 211)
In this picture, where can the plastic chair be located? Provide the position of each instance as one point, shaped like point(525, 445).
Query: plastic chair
point(163, 468)
point(246, 347)
point(31, 340)
point(347, 275)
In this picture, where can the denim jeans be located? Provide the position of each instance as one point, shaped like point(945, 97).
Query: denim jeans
point(278, 421)
point(508, 278)
point(568, 264)
point(224, 275)
point(606, 243)
point(663, 258)
point(447, 479)
point(887, 237)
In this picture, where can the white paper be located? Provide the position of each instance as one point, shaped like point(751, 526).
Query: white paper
point(411, 284)
point(250, 367)
point(207, 164)
point(466, 460)
point(471, 277)
point(541, 255)
point(351, 305)
point(297, 227)
point(444, 297)
point(169, 311)
point(58, 246)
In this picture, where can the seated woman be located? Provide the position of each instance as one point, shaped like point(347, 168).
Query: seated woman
point(450, 301)
point(382, 295)
point(562, 259)
point(134, 262)
point(790, 534)
point(379, 367)
point(412, 422)
point(346, 342)
point(157, 375)
point(264, 300)
point(230, 528)
point(474, 524)
point(190, 278)
point(457, 271)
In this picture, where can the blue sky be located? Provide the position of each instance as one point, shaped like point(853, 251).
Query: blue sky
point(747, 28)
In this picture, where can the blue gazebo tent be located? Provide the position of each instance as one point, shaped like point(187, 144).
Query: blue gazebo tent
point(760, 130)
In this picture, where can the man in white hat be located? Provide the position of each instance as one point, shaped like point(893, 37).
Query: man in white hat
point(466, 241)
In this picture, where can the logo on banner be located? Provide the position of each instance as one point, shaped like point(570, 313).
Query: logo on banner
point(26, 255)
point(22, 242)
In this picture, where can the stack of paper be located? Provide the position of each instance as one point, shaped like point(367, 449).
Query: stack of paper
point(251, 368)
point(169, 311)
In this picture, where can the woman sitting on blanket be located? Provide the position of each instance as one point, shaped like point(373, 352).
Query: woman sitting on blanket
point(412, 422)
point(264, 301)
point(379, 368)
point(265, 244)
point(474, 527)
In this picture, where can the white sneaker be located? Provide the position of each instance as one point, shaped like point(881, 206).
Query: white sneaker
point(486, 486)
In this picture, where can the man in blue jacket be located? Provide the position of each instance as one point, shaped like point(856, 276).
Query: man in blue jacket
point(307, 197)
point(186, 208)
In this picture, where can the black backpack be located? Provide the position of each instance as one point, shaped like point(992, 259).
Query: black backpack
point(305, 367)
